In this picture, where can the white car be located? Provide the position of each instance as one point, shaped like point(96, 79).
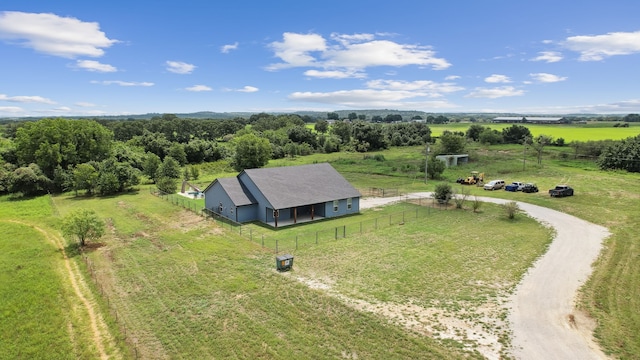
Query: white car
point(494, 185)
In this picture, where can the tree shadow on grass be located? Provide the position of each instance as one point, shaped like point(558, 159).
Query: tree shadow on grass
point(74, 249)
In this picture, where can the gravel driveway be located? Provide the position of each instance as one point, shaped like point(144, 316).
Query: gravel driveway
point(542, 317)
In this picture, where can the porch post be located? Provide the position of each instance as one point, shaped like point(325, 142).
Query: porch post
point(312, 208)
point(295, 215)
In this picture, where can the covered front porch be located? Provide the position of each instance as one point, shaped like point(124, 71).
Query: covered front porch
point(294, 215)
point(291, 221)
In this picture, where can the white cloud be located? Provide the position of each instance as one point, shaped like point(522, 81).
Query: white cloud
point(180, 67)
point(350, 53)
point(62, 109)
point(295, 48)
point(494, 93)
point(496, 78)
point(547, 78)
point(198, 88)
point(548, 56)
point(227, 48)
point(335, 74)
point(385, 93)
point(248, 89)
point(54, 35)
point(369, 98)
point(122, 83)
point(421, 87)
point(346, 39)
point(27, 99)
point(452, 77)
point(383, 53)
point(84, 104)
point(92, 65)
point(598, 47)
point(11, 109)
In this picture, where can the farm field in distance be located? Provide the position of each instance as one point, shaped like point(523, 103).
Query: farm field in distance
point(569, 132)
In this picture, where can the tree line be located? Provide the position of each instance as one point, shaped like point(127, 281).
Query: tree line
point(111, 156)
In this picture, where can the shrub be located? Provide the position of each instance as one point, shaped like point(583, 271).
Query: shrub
point(443, 193)
point(461, 198)
point(512, 209)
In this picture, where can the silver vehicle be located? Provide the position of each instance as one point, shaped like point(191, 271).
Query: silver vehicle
point(494, 185)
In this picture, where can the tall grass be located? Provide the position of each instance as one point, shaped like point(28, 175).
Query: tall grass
point(33, 307)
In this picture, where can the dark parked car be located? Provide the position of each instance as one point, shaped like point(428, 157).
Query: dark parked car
point(561, 191)
point(530, 188)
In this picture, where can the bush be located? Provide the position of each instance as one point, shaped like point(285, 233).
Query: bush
point(443, 193)
point(167, 185)
point(461, 198)
point(476, 204)
point(512, 209)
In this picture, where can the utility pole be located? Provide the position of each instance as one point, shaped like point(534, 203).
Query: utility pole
point(524, 151)
point(426, 164)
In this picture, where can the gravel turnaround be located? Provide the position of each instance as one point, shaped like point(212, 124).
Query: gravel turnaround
point(542, 316)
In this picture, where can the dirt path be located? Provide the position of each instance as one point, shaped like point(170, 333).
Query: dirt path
point(99, 330)
point(542, 316)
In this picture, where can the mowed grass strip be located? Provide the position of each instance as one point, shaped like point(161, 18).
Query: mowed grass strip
point(186, 289)
point(33, 305)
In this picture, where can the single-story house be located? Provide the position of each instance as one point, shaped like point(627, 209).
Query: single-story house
point(283, 195)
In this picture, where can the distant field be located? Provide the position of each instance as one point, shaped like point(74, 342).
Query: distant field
point(582, 132)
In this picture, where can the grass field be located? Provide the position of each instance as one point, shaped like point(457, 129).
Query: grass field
point(573, 132)
point(41, 316)
point(186, 288)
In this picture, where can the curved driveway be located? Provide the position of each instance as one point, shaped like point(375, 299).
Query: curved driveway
point(543, 322)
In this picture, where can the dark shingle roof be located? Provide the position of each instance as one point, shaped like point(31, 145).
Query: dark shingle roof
point(236, 191)
point(290, 186)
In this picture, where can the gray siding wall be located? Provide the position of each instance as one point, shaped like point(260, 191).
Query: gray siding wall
point(216, 196)
point(342, 208)
point(247, 213)
point(263, 204)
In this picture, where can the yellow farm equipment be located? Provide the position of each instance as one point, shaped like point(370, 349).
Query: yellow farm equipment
point(476, 178)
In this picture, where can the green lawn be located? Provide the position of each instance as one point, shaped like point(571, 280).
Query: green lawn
point(577, 132)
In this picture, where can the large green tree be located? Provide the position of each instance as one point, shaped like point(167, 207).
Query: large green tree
point(515, 134)
point(83, 225)
point(342, 130)
point(321, 126)
point(623, 155)
point(450, 143)
point(251, 152)
point(29, 180)
point(368, 137)
point(53, 143)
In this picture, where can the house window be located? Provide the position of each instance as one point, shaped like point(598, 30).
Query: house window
point(349, 203)
point(335, 205)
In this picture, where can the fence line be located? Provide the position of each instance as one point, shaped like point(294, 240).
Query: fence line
point(291, 243)
point(111, 307)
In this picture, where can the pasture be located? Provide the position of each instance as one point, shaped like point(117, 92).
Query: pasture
point(184, 287)
point(569, 132)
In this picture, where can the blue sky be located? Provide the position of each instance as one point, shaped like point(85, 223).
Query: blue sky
point(64, 58)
